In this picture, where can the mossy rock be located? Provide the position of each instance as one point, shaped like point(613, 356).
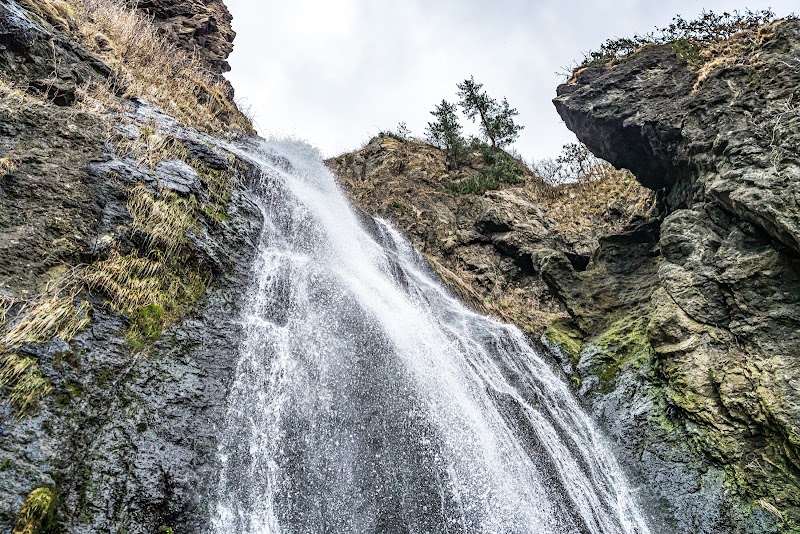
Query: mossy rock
point(565, 335)
point(624, 345)
point(146, 325)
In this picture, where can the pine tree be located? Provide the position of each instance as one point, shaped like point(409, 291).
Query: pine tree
point(496, 119)
point(445, 132)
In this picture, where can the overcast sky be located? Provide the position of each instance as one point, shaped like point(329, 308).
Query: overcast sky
point(337, 72)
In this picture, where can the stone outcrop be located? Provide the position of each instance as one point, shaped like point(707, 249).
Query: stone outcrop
point(485, 246)
point(201, 27)
point(721, 146)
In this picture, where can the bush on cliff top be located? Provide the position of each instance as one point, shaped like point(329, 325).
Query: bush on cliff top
point(689, 35)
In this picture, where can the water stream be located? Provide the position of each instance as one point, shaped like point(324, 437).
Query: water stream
point(368, 399)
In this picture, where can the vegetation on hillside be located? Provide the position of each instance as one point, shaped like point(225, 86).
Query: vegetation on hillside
point(446, 132)
point(498, 130)
point(150, 273)
point(144, 64)
point(689, 36)
point(496, 118)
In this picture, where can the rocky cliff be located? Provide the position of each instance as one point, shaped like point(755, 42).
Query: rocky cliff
point(126, 236)
point(719, 142)
point(676, 316)
point(126, 231)
point(197, 27)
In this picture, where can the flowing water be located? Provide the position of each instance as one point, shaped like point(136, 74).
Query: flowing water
point(367, 399)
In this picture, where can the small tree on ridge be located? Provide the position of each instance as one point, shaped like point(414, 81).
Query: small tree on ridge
point(496, 119)
point(445, 132)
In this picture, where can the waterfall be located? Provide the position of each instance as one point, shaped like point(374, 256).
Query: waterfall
point(368, 399)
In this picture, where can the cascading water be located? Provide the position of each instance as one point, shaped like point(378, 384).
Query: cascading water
point(369, 400)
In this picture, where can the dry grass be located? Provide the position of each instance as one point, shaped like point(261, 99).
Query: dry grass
point(741, 49)
point(57, 12)
point(219, 185)
point(6, 302)
point(579, 191)
point(98, 97)
point(19, 94)
point(151, 147)
point(8, 165)
point(129, 282)
point(770, 508)
point(149, 67)
point(22, 380)
point(157, 288)
point(583, 207)
point(517, 307)
point(37, 513)
point(165, 220)
point(145, 64)
point(153, 293)
point(52, 315)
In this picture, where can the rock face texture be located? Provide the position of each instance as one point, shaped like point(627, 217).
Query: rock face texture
point(680, 324)
point(201, 27)
point(722, 148)
point(124, 435)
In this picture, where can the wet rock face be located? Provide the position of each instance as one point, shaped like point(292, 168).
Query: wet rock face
point(127, 438)
point(723, 313)
point(46, 204)
point(197, 26)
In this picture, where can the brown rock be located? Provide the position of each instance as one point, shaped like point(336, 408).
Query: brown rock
point(201, 27)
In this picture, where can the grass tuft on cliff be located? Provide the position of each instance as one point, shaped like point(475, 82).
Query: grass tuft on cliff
point(52, 315)
point(157, 286)
point(37, 515)
point(705, 44)
point(145, 65)
point(688, 37)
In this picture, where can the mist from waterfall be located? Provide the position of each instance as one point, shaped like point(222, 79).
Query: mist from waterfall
point(368, 399)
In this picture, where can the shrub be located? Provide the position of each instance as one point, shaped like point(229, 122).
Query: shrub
point(498, 168)
point(688, 36)
point(501, 167)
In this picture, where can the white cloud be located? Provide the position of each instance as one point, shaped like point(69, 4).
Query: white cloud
point(336, 72)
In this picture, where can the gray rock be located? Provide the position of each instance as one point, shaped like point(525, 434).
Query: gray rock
point(724, 322)
point(176, 175)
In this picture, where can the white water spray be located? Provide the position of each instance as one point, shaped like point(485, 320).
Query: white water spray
point(367, 399)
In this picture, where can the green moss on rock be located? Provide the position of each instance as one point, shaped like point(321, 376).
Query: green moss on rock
point(567, 337)
point(624, 345)
point(146, 325)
